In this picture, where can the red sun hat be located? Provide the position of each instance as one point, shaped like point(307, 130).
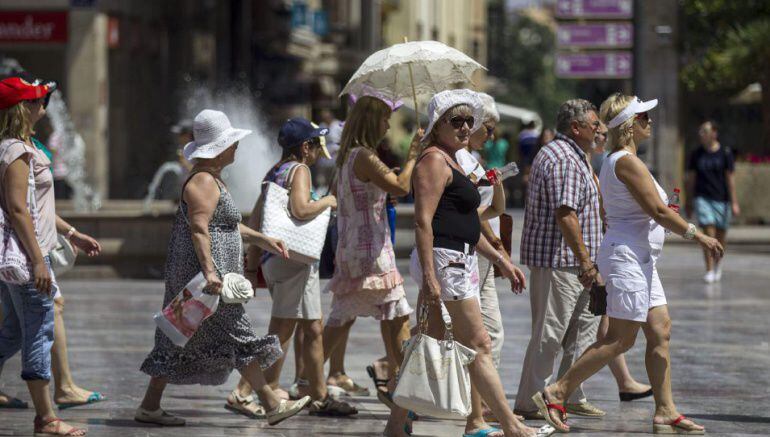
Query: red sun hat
point(15, 89)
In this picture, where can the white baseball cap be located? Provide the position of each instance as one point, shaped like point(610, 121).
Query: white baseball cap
point(637, 106)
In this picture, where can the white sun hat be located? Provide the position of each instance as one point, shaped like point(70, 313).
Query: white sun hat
point(489, 107)
point(445, 100)
point(213, 135)
point(637, 106)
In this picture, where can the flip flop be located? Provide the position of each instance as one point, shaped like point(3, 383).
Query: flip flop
point(628, 396)
point(545, 409)
point(545, 431)
point(92, 399)
point(482, 432)
point(675, 427)
point(15, 404)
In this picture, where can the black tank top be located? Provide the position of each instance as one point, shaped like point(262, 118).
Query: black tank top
point(457, 219)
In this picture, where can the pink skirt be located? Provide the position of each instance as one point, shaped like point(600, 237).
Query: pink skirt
point(387, 304)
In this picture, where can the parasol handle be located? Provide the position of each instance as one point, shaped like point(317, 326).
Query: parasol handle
point(414, 92)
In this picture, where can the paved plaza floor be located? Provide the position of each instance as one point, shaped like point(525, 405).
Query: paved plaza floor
point(720, 358)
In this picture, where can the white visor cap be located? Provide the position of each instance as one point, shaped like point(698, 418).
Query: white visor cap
point(637, 106)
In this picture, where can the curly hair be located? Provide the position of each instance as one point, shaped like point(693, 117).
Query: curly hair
point(622, 134)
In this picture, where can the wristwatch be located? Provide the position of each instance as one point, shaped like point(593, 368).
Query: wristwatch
point(691, 230)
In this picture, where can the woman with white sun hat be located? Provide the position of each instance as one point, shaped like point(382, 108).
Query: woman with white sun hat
point(207, 237)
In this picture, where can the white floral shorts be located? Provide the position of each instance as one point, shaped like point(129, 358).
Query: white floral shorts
point(456, 272)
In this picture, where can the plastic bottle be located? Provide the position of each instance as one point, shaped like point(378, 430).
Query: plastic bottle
point(502, 173)
point(673, 203)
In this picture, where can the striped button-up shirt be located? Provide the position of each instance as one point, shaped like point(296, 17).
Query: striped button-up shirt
point(561, 176)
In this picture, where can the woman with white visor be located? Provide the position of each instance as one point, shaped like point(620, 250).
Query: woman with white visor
point(637, 217)
point(448, 234)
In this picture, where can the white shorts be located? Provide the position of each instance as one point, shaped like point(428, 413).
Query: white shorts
point(457, 273)
point(633, 284)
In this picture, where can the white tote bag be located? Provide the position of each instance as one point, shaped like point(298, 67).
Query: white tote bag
point(434, 379)
point(304, 238)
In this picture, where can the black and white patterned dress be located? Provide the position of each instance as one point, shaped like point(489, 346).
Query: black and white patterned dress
point(226, 340)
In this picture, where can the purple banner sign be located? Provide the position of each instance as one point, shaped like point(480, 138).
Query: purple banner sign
point(595, 9)
point(595, 65)
point(596, 35)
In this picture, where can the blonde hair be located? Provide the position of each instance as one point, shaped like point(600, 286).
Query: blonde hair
point(362, 127)
point(622, 134)
point(15, 122)
point(454, 111)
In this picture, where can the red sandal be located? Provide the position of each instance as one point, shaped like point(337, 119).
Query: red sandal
point(674, 427)
point(545, 409)
point(41, 423)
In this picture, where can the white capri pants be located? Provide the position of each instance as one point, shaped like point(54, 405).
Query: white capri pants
point(633, 284)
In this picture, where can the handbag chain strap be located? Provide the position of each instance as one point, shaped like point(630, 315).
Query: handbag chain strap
point(423, 323)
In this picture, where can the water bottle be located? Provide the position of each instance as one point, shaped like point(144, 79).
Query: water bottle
point(502, 173)
point(673, 203)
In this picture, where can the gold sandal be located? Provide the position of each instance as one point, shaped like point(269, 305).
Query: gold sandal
point(346, 383)
point(246, 406)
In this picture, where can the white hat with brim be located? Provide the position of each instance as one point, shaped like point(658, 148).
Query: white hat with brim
point(445, 100)
point(637, 106)
point(213, 135)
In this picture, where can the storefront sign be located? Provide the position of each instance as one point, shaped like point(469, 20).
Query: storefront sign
point(594, 65)
point(595, 9)
point(596, 35)
point(44, 27)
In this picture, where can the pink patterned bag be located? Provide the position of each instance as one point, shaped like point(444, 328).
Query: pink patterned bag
point(15, 265)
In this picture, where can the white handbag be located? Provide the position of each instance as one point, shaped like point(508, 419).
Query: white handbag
point(304, 238)
point(434, 379)
point(15, 265)
point(62, 256)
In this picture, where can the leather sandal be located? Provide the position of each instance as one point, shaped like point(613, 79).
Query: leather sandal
point(245, 405)
point(41, 423)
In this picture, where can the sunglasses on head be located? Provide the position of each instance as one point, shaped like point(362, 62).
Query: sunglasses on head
point(457, 121)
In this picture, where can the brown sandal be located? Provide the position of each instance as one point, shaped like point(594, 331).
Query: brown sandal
point(41, 423)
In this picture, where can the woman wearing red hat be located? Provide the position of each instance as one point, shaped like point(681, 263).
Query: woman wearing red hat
point(22, 104)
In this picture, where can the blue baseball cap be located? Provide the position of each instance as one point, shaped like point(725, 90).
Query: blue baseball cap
point(297, 130)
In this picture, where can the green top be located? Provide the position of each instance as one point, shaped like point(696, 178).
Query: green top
point(45, 150)
point(495, 152)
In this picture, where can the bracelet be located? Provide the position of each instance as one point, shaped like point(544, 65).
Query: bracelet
point(691, 230)
point(70, 232)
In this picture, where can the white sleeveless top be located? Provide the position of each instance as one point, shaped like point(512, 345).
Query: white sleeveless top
point(627, 223)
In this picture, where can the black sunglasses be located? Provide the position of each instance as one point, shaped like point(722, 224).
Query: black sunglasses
point(457, 122)
point(490, 130)
point(643, 116)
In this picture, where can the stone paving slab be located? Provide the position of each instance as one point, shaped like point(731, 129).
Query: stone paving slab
point(720, 357)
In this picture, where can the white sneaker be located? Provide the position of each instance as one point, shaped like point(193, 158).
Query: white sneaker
point(709, 277)
point(718, 273)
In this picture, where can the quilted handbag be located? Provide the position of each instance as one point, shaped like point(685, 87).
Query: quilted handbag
point(15, 265)
point(434, 379)
point(304, 238)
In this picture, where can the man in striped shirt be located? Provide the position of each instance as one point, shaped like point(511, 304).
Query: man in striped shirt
point(559, 243)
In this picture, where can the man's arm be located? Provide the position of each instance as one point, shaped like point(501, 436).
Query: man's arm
point(569, 225)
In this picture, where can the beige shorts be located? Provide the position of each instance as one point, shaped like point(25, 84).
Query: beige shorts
point(457, 273)
point(294, 287)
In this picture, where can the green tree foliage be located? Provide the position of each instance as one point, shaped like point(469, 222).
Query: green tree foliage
point(521, 55)
point(727, 47)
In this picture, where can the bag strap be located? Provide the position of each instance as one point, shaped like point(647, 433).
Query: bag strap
point(423, 322)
